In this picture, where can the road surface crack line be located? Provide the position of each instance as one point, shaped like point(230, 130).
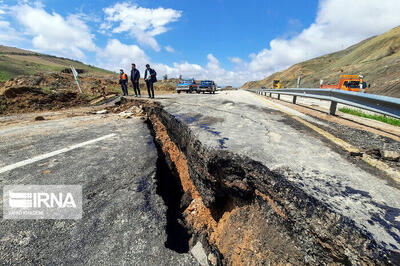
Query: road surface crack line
point(51, 154)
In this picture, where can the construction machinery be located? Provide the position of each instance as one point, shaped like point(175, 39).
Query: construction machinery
point(276, 84)
point(348, 83)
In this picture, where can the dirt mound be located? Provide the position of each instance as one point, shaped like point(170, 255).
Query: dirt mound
point(166, 85)
point(30, 99)
point(15, 91)
point(64, 81)
point(52, 91)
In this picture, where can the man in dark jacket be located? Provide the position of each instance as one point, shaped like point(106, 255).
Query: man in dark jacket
point(135, 76)
point(123, 81)
point(150, 76)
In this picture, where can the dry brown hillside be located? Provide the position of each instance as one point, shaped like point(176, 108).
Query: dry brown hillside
point(377, 58)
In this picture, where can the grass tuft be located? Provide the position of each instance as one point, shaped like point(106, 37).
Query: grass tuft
point(382, 118)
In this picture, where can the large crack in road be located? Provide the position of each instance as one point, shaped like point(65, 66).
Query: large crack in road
point(243, 213)
point(227, 192)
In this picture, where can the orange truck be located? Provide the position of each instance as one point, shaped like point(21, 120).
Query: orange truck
point(348, 83)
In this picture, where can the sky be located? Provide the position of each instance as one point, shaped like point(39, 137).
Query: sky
point(229, 41)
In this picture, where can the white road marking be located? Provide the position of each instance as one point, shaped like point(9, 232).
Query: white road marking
point(51, 154)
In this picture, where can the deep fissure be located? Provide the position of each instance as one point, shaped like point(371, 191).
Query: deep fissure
point(171, 191)
point(238, 192)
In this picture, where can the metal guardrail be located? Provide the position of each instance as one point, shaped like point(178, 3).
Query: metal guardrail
point(376, 103)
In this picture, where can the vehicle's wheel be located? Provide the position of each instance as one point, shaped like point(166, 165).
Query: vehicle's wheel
point(187, 91)
point(198, 92)
point(179, 92)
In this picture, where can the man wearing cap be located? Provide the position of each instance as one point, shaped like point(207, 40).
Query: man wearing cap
point(123, 81)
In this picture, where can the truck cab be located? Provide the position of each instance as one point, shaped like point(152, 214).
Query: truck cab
point(187, 85)
point(207, 86)
point(276, 84)
point(354, 83)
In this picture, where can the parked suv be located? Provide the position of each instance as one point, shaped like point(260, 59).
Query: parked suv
point(188, 85)
point(207, 86)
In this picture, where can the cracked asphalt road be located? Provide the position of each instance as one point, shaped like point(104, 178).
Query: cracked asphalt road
point(245, 124)
point(123, 218)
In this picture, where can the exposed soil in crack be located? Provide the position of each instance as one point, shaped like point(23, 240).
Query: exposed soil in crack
point(243, 213)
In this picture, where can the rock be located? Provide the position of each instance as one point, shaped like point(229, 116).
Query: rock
point(212, 259)
point(101, 112)
point(97, 100)
point(199, 254)
point(39, 118)
point(120, 101)
point(125, 114)
point(390, 155)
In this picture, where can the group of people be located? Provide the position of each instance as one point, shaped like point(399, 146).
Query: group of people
point(150, 77)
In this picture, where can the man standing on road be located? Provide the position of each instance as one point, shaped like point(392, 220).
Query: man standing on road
point(135, 76)
point(150, 76)
point(123, 81)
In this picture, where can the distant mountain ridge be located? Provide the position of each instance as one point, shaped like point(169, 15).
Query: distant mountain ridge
point(15, 62)
point(376, 58)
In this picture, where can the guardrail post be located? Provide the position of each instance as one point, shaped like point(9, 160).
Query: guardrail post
point(279, 96)
point(294, 99)
point(332, 110)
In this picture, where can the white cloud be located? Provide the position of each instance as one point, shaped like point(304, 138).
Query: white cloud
point(236, 60)
point(142, 23)
point(212, 71)
point(117, 55)
point(8, 35)
point(169, 49)
point(51, 32)
point(335, 28)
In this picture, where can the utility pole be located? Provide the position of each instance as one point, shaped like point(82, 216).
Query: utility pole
point(298, 81)
point(76, 77)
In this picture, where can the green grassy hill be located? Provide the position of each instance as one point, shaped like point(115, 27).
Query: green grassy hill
point(15, 62)
point(377, 58)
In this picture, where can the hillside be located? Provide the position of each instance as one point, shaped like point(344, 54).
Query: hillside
point(15, 62)
point(32, 82)
point(377, 58)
